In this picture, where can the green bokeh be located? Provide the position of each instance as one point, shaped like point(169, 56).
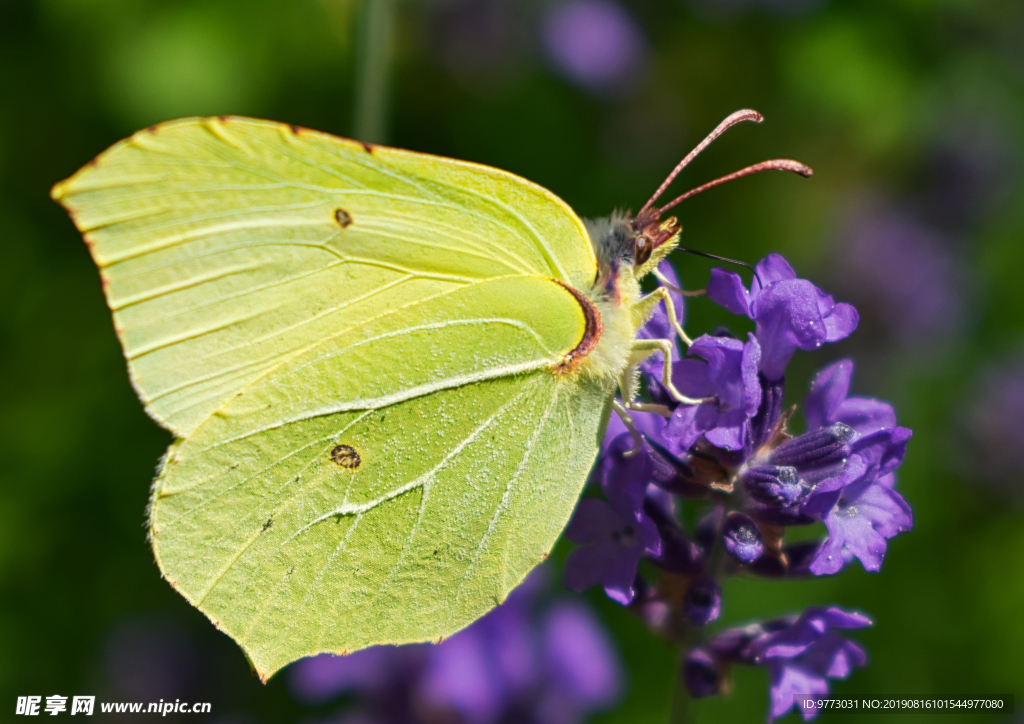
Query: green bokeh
point(864, 92)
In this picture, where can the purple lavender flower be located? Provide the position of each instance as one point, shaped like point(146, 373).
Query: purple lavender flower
point(702, 603)
point(734, 451)
point(728, 375)
point(804, 655)
point(701, 674)
point(860, 518)
point(790, 313)
point(828, 402)
point(612, 544)
point(859, 506)
point(800, 653)
point(579, 663)
point(594, 43)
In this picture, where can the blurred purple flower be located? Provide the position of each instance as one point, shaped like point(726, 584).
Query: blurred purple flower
point(579, 664)
point(596, 44)
point(727, 373)
point(481, 670)
point(702, 603)
point(992, 443)
point(972, 169)
point(790, 313)
point(321, 678)
point(905, 275)
point(515, 663)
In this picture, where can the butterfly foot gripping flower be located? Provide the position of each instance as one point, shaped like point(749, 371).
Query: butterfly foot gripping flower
point(730, 451)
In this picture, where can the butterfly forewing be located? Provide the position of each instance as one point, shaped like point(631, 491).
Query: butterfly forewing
point(235, 243)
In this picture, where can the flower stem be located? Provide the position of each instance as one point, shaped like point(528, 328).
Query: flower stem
point(684, 707)
point(373, 48)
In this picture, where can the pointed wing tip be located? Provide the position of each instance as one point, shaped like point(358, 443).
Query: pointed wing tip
point(59, 190)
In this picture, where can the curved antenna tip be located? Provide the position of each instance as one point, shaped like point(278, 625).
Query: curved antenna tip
point(777, 164)
point(746, 114)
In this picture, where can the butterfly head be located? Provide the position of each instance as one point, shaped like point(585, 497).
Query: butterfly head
point(627, 248)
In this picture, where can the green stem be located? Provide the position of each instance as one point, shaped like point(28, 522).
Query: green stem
point(373, 48)
point(684, 708)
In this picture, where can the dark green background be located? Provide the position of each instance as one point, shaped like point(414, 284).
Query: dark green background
point(873, 95)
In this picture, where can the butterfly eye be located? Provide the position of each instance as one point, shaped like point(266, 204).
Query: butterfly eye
point(642, 250)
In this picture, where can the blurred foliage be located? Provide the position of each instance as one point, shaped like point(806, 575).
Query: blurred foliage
point(915, 105)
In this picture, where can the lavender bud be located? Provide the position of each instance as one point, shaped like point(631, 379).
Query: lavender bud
point(700, 674)
point(702, 603)
point(733, 645)
point(742, 538)
point(678, 553)
point(775, 485)
point(762, 425)
point(826, 446)
point(687, 477)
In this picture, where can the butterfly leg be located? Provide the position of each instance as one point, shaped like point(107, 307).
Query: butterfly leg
point(628, 422)
point(665, 347)
point(645, 307)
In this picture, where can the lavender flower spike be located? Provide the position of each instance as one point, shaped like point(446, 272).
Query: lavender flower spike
point(790, 313)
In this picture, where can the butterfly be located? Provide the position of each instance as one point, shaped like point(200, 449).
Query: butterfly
point(387, 373)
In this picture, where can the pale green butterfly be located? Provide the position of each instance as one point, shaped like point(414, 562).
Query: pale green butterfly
point(387, 372)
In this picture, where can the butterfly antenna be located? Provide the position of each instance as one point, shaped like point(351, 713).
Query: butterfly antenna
point(732, 120)
point(778, 164)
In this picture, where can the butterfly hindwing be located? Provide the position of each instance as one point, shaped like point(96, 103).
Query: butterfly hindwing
point(406, 505)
